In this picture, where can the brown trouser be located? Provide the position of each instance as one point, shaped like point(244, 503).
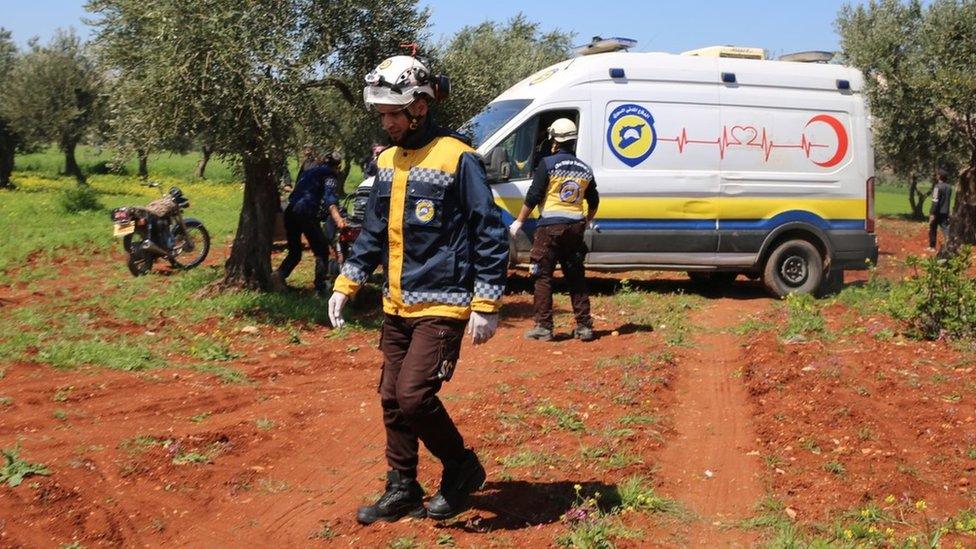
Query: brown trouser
point(413, 350)
point(563, 243)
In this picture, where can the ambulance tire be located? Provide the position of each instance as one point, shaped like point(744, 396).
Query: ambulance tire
point(793, 267)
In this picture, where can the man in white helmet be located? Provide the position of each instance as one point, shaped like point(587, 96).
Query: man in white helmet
point(559, 188)
point(432, 223)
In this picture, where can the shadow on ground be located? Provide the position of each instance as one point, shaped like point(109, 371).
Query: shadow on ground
point(518, 504)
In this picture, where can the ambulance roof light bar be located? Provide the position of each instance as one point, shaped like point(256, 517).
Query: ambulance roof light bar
point(605, 45)
point(728, 51)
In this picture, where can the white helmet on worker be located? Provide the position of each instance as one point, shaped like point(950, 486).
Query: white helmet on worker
point(399, 80)
point(562, 130)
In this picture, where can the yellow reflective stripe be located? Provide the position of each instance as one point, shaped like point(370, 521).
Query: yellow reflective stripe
point(762, 208)
point(344, 285)
point(633, 207)
point(485, 305)
point(398, 198)
point(425, 309)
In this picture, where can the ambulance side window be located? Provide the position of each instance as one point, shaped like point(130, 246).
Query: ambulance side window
point(518, 154)
point(518, 149)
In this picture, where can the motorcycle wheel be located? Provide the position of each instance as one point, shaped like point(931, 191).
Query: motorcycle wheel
point(199, 239)
point(140, 262)
point(134, 239)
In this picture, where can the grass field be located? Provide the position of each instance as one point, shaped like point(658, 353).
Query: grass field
point(50, 162)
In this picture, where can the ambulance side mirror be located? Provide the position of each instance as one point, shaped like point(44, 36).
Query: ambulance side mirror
point(497, 166)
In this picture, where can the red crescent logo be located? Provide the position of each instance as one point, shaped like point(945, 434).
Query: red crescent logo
point(841, 139)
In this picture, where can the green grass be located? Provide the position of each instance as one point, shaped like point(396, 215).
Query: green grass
point(893, 201)
point(115, 355)
point(637, 494)
point(92, 161)
point(41, 227)
point(565, 418)
point(15, 469)
point(67, 331)
point(527, 458)
point(804, 318)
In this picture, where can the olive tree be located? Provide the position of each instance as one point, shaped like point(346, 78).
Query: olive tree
point(918, 62)
point(484, 60)
point(54, 94)
point(243, 73)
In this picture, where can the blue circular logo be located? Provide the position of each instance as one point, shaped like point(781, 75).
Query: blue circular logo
point(630, 134)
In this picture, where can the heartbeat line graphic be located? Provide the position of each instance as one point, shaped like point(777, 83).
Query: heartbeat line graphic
point(743, 136)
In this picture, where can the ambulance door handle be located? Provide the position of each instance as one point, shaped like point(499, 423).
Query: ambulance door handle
point(732, 177)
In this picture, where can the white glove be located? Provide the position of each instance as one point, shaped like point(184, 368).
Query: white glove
point(482, 326)
point(336, 303)
point(513, 229)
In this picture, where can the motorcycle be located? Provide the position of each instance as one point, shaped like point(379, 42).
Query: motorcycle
point(342, 242)
point(159, 230)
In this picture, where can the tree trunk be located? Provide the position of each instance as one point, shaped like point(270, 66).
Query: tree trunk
point(143, 163)
point(202, 164)
point(6, 163)
point(71, 164)
point(249, 264)
point(8, 147)
point(916, 198)
point(962, 223)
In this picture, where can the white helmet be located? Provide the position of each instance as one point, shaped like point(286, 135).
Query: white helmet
point(399, 80)
point(562, 130)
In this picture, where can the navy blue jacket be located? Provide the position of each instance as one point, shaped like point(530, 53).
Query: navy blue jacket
point(432, 222)
point(315, 191)
point(552, 170)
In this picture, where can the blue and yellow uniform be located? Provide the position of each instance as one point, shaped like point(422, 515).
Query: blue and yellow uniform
point(561, 185)
point(432, 222)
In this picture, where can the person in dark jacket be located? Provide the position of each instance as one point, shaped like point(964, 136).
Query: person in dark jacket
point(941, 208)
point(314, 193)
point(562, 183)
point(369, 165)
point(308, 159)
point(432, 223)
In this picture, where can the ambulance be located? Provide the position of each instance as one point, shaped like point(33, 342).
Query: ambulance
point(715, 165)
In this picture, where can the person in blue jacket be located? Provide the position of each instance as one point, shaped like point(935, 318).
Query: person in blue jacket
point(315, 193)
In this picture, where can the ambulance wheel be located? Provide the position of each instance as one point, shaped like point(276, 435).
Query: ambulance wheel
point(793, 267)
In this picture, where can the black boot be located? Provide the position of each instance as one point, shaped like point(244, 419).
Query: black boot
point(458, 481)
point(403, 497)
point(321, 277)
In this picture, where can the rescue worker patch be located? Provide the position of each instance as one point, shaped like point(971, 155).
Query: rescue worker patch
point(569, 191)
point(424, 211)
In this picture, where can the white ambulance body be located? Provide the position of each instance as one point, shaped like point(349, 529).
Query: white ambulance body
point(714, 166)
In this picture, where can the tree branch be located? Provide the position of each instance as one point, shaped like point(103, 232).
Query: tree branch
point(335, 83)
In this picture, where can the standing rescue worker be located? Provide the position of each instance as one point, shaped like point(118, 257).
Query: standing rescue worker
point(941, 208)
point(561, 184)
point(432, 223)
point(314, 193)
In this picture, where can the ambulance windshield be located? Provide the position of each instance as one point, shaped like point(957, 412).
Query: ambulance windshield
point(489, 120)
